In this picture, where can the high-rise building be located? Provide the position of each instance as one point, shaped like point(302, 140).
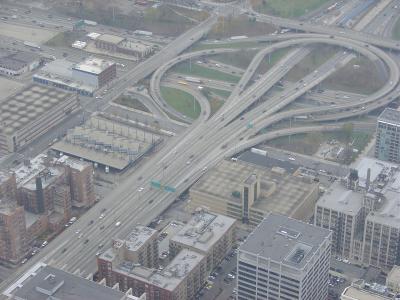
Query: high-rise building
point(210, 234)
point(8, 186)
point(284, 259)
point(13, 244)
point(388, 136)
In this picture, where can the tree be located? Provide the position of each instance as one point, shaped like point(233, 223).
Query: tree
point(347, 130)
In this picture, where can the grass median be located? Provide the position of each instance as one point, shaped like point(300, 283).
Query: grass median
point(181, 101)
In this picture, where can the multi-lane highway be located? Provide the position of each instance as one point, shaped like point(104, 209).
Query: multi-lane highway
point(183, 160)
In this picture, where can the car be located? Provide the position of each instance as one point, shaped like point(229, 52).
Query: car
point(80, 236)
point(188, 162)
point(231, 276)
point(141, 189)
point(91, 222)
point(292, 158)
point(78, 231)
point(24, 261)
point(102, 216)
point(86, 241)
point(100, 246)
point(98, 253)
point(118, 224)
point(44, 244)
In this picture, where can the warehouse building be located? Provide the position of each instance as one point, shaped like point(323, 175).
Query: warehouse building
point(108, 141)
point(114, 43)
point(248, 193)
point(18, 63)
point(83, 78)
point(31, 113)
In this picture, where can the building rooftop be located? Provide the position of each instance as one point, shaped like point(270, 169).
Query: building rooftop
point(108, 38)
point(73, 163)
point(93, 65)
point(18, 60)
point(354, 293)
point(279, 192)
point(139, 236)
point(107, 141)
point(173, 274)
point(376, 166)
point(43, 282)
point(136, 45)
point(286, 241)
point(339, 198)
point(203, 230)
point(390, 116)
point(21, 109)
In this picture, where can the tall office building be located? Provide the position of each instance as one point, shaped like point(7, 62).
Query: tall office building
point(284, 259)
point(388, 136)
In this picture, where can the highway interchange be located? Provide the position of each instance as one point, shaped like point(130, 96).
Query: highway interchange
point(211, 138)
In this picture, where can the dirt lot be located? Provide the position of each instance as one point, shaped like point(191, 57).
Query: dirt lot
point(23, 33)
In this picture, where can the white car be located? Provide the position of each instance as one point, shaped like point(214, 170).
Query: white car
point(292, 158)
point(118, 224)
point(102, 216)
point(141, 189)
point(80, 236)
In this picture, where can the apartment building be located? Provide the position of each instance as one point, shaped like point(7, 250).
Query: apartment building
point(284, 259)
point(206, 233)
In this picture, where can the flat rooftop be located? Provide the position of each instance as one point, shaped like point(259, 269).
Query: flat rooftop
point(43, 282)
point(107, 141)
point(109, 38)
point(136, 45)
point(176, 271)
point(280, 192)
point(73, 163)
point(376, 167)
point(390, 116)
point(203, 230)
point(355, 293)
point(23, 108)
point(93, 65)
point(339, 198)
point(139, 236)
point(26, 172)
point(8, 87)
point(286, 241)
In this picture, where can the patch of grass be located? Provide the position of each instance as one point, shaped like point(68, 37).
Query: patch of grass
point(64, 39)
point(240, 59)
point(181, 102)
point(242, 25)
point(222, 93)
point(215, 105)
point(131, 103)
point(319, 55)
point(396, 30)
point(364, 79)
point(196, 70)
point(287, 8)
point(194, 14)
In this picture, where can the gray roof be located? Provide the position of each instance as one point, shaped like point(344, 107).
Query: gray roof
point(391, 116)
point(16, 61)
point(49, 281)
point(285, 240)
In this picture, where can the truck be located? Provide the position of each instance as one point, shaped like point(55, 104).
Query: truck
point(193, 79)
point(258, 151)
point(31, 45)
point(89, 23)
point(238, 37)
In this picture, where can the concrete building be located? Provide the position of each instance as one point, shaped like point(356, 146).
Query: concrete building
point(131, 265)
point(13, 244)
point(95, 72)
point(393, 279)
point(248, 193)
point(108, 141)
point(359, 290)
point(31, 113)
point(114, 43)
point(43, 282)
point(388, 136)
point(362, 212)
point(18, 63)
point(209, 234)
point(81, 181)
point(284, 259)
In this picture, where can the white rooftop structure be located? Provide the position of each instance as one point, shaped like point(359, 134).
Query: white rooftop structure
point(93, 65)
point(376, 167)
